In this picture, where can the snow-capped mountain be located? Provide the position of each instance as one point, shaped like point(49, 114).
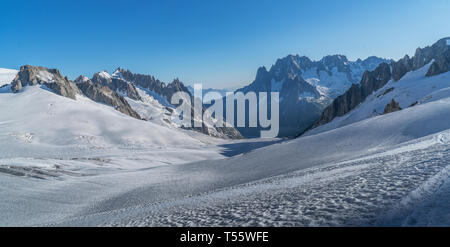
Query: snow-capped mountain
point(151, 98)
point(306, 87)
point(407, 82)
point(331, 76)
point(138, 96)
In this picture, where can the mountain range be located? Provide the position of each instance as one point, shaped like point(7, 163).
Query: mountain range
point(138, 96)
point(311, 93)
point(434, 59)
point(306, 87)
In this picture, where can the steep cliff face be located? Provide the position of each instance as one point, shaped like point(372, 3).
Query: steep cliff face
point(374, 80)
point(105, 95)
point(438, 53)
point(50, 78)
point(149, 82)
point(401, 67)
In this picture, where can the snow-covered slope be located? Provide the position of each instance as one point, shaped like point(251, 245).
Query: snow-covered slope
point(412, 89)
point(351, 175)
point(7, 75)
point(38, 123)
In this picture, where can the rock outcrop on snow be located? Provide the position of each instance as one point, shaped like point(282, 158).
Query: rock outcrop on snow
point(393, 106)
point(50, 78)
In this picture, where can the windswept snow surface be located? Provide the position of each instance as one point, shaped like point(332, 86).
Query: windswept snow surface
point(7, 76)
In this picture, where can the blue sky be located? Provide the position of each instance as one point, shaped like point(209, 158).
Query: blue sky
point(219, 43)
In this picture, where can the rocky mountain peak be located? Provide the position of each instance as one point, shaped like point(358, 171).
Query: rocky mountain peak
point(286, 67)
point(51, 78)
point(81, 79)
point(118, 73)
point(441, 62)
point(372, 62)
point(262, 73)
point(334, 60)
point(116, 83)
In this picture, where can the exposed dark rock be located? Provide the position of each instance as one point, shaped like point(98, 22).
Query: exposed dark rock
point(50, 78)
point(150, 83)
point(119, 85)
point(401, 67)
point(104, 94)
point(440, 65)
point(296, 110)
point(439, 51)
point(374, 80)
point(393, 106)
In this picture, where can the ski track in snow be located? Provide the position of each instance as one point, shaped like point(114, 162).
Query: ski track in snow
point(361, 192)
point(354, 193)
